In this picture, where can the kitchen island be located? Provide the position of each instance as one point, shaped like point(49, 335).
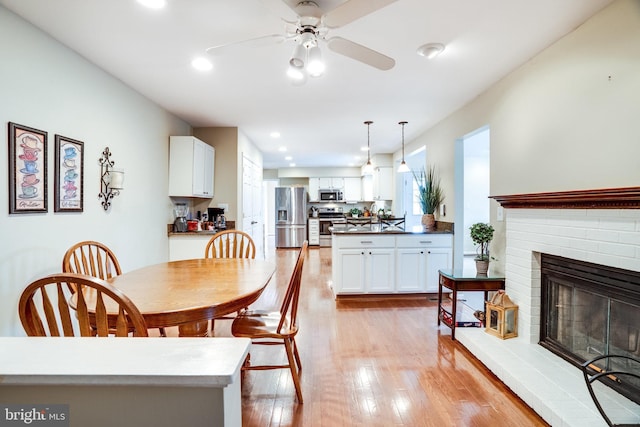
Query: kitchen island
point(393, 261)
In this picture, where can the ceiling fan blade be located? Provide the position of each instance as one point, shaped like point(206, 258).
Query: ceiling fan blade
point(253, 42)
point(351, 10)
point(360, 53)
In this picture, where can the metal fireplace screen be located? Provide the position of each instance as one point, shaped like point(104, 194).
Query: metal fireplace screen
point(590, 310)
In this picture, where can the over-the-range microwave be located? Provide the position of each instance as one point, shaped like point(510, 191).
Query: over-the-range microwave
point(330, 196)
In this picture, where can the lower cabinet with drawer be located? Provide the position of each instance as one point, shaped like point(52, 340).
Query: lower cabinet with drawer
point(418, 260)
point(388, 264)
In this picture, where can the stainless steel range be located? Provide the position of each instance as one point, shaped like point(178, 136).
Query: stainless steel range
point(327, 215)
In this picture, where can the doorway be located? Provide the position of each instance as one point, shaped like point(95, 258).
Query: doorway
point(472, 187)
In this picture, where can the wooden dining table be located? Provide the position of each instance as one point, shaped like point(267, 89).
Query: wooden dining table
point(191, 292)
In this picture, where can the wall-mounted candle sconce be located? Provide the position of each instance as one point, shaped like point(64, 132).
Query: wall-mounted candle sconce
point(111, 179)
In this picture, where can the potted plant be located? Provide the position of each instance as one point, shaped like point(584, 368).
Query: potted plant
point(355, 212)
point(430, 194)
point(482, 234)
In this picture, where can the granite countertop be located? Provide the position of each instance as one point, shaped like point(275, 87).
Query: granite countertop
point(387, 231)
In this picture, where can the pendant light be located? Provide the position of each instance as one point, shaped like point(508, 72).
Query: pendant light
point(403, 166)
point(368, 168)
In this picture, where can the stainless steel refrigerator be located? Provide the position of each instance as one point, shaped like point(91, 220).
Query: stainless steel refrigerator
point(291, 217)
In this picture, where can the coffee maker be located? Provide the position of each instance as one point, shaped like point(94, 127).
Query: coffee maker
point(217, 216)
point(180, 224)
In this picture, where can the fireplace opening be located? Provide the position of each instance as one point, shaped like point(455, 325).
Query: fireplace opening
point(590, 310)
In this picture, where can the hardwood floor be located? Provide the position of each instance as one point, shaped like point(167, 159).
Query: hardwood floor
point(380, 362)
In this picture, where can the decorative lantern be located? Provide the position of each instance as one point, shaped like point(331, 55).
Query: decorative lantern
point(502, 316)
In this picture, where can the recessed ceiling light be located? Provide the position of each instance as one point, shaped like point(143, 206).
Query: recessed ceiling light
point(274, 134)
point(351, 165)
point(201, 64)
point(288, 158)
point(153, 4)
point(282, 149)
point(430, 50)
point(292, 164)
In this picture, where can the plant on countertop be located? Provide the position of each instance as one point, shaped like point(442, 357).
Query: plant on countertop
point(429, 190)
point(482, 234)
point(355, 212)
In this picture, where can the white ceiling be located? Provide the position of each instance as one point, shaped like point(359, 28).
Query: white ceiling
point(321, 122)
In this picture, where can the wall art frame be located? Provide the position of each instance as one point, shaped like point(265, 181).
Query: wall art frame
point(68, 175)
point(27, 169)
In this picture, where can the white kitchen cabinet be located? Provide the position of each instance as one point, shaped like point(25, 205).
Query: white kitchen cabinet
point(383, 183)
point(314, 189)
point(188, 246)
point(191, 167)
point(335, 183)
point(352, 189)
point(314, 232)
point(374, 263)
point(419, 257)
point(363, 264)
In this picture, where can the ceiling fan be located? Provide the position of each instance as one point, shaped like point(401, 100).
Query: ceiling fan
point(307, 25)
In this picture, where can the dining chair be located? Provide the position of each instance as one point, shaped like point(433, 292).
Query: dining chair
point(616, 370)
point(230, 244)
point(276, 327)
point(94, 259)
point(45, 308)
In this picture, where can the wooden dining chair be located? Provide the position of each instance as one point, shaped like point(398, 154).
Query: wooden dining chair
point(230, 244)
point(94, 259)
point(45, 309)
point(278, 327)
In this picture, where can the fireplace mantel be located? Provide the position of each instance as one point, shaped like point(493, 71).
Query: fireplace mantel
point(607, 198)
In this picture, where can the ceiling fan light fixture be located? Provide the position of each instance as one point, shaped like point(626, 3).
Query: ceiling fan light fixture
point(430, 50)
point(296, 74)
point(315, 65)
point(298, 57)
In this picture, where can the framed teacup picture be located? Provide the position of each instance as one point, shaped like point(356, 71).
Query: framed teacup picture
point(27, 169)
point(69, 175)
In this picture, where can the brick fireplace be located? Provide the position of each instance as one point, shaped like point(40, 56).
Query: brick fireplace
point(598, 226)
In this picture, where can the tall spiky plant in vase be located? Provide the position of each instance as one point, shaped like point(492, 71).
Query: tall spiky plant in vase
point(430, 195)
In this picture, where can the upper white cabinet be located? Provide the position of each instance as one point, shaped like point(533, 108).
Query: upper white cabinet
point(383, 183)
point(352, 189)
point(314, 187)
point(191, 166)
point(331, 183)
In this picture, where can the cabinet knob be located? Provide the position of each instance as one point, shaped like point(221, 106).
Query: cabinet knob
point(421, 252)
point(362, 253)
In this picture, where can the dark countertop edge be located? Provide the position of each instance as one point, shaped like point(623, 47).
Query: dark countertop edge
point(344, 233)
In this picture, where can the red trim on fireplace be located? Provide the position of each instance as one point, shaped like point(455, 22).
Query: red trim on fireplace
point(607, 198)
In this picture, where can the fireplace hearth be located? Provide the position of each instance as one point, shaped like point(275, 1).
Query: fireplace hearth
point(589, 310)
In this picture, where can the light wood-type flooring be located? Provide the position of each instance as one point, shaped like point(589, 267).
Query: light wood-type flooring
point(378, 362)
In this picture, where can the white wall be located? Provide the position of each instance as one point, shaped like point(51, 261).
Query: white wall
point(47, 86)
point(565, 120)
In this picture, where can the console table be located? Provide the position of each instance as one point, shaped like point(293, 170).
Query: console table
point(463, 280)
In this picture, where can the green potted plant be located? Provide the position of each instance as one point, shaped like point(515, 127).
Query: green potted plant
point(482, 234)
point(430, 194)
point(355, 212)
